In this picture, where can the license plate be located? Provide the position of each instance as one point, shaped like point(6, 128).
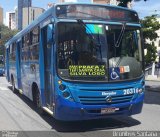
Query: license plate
point(107, 110)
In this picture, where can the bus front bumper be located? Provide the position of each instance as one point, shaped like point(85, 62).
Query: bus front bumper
point(72, 111)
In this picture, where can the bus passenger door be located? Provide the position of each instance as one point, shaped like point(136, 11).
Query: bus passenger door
point(18, 61)
point(48, 79)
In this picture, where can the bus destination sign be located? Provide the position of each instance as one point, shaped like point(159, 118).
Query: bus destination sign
point(86, 70)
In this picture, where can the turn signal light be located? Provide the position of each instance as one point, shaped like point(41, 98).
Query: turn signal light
point(140, 90)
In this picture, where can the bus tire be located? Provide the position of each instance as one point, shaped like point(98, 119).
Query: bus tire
point(13, 85)
point(36, 101)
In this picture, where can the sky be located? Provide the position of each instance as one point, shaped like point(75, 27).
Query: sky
point(147, 8)
point(8, 5)
point(143, 8)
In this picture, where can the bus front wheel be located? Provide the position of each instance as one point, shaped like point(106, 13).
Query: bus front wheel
point(37, 102)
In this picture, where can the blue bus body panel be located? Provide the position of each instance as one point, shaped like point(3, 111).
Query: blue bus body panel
point(69, 111)
point(89, 100)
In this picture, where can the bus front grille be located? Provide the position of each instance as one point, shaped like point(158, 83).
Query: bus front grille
point(94, 100)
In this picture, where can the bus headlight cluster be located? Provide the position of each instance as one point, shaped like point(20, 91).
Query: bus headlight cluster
point(65, 91)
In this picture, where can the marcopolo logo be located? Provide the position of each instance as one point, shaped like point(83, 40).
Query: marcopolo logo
point(109, 99)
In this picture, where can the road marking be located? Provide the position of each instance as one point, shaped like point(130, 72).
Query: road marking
point(3, 88)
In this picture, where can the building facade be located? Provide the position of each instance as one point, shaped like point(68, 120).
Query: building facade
point(84, 1)
point(1, 15)
point(34, 12)
point(11, 20)
point(101, 1)
point(49, 5)
point(16, 17)
point(22, 4)
point(112, 2)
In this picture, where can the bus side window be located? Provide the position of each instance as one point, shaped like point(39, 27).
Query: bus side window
point(25, 47)
point(34, 48)
point(13, 54)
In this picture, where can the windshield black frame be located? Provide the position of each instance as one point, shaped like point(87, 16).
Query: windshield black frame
point(68, 79)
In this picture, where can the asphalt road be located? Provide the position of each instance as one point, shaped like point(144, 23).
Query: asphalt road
point(17, 113)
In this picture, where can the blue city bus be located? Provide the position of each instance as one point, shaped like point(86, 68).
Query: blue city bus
point(2, 67)
point(80, 61)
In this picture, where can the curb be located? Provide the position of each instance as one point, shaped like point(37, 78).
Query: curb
point(148, 88)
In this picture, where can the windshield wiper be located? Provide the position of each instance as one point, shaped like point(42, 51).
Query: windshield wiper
point(120, 35)
point(91, 36)
point(119, 41)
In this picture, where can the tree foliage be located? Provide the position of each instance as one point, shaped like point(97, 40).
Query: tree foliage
point(149, 26)
point(6, 34)
point(124, 3)
point(151, 53)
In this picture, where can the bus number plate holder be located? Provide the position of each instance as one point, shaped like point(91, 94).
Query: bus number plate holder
point(107, 110)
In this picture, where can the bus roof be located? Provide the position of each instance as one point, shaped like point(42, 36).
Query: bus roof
point(50, 12)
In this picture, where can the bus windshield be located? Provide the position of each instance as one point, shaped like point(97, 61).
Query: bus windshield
point(98, 52)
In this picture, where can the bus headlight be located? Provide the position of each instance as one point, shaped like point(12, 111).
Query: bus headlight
point(66, 94)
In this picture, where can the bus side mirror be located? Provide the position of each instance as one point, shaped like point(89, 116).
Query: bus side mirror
point(50, 33)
